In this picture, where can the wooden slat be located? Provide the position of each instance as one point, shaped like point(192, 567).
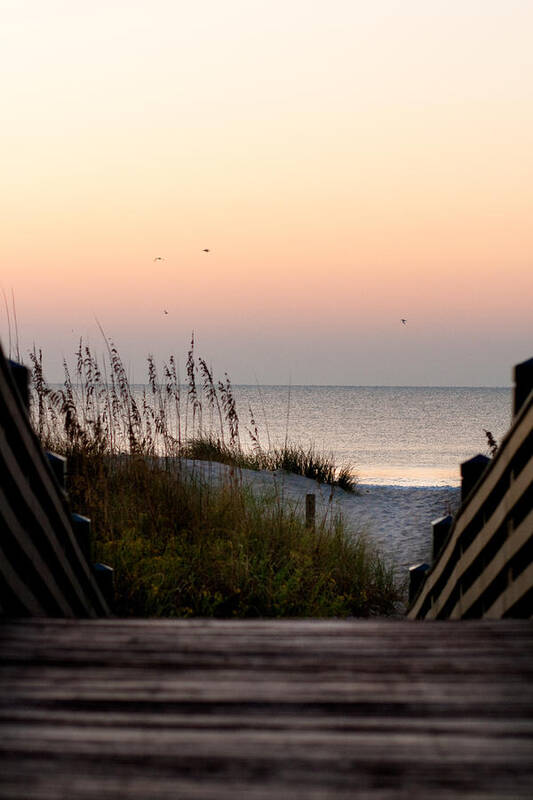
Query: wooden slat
point(373, 709)
point(515, 592)
point(18, 587)
point(511, 546)
point(29, 549)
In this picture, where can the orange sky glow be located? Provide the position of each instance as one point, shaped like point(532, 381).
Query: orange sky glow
point(347, 164)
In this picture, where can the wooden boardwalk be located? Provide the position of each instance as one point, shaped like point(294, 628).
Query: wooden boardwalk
point(300, 709)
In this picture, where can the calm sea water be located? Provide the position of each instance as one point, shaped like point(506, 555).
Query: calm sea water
point(408, 436)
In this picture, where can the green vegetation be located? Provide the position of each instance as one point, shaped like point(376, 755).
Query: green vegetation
point(181, 546)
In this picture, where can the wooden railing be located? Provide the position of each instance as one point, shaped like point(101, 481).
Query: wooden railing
point(484, 562)
point(43, 569)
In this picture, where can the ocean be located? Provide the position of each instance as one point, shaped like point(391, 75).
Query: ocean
point(396, 436)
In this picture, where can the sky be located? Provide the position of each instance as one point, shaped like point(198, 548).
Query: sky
point(347, 164)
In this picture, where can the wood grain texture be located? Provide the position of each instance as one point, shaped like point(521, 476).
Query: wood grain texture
point(215, 709)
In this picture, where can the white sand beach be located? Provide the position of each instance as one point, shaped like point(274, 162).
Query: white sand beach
point(397, 519)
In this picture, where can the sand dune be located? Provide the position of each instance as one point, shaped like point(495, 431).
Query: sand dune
point(396, 518)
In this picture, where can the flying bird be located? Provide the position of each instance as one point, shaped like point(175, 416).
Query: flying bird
point(206, 250)
point(165, 311)
point(159, 258)
point(404, 321)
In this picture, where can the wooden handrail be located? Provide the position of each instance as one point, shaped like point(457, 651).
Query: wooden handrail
point(43, 570)
point(491, 540)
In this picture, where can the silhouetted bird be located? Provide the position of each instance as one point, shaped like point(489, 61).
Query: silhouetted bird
point(404, 321)
point(159, 258)
point(165, 311)
point(206, 250)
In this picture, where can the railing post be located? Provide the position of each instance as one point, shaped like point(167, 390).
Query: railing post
point(310, 510)
point(105, 578)
point(417, 576)
point(471, 472)
point(523, 384)
point(82, 531)
point(58, 465)
point(441, 528)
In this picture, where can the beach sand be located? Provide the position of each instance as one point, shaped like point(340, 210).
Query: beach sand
point(396, 519)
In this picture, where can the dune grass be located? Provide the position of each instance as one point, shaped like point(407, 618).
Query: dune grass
point(308, 462)
point(180, 546)
point(98, 409)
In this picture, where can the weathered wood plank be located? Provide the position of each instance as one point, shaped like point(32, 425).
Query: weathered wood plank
point(28, 548)
point(237, 720)
point(18, 587)
point(371, 709)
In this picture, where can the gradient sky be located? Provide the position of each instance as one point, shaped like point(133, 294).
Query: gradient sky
point(347, 163)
